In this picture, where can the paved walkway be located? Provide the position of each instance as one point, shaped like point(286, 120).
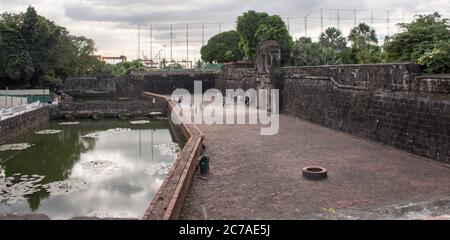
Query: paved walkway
point(260, 177)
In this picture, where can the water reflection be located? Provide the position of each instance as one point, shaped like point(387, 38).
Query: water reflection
point(121, 171)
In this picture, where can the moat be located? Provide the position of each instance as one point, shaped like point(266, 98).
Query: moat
point(107, 168)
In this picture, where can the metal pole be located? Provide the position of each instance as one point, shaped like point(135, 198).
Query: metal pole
point(371, 17)
point(171, 38)
point(220, 27)
point(306, 24)
point(338, 19)
point(354, 17)
point(321, 20)
point(387, 23)
point(288, 25)
point(151, 46)
point(139, 42)
point(187, 44)
point(203, 34)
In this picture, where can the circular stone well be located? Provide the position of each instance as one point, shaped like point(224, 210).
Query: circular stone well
point(315, 173)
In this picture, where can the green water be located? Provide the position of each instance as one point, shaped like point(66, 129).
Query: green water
point(64, 175)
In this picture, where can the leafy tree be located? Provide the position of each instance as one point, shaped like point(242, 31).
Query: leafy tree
point(274, 28)
point(126, 68)
point(34, 51)
point(15, 61)
point(308, 53)
point(247, 25)
point(364, 44)
point(423, 41)
point(332, 37)
point(438, 59)
point(223, 47)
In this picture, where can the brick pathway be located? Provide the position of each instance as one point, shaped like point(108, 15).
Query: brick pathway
point(260, 177)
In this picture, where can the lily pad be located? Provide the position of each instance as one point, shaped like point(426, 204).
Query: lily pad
point(171, 149)
point(161, 168)
point(16, 189)
point(48, 132)
point(68, 123)
point(14, 147)
point(65, 187)
point(107, 132)
point(97, 164)
point(139, 122)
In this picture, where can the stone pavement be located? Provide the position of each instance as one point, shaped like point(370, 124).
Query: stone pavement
point(260, 177)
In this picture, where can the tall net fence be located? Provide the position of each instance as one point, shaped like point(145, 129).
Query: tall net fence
point(181, 43)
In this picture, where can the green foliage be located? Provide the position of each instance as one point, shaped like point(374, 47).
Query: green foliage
point(223, 47)
point(308, 53)
point(332, 37)
point(438, 59)
point(247, 25)
point(48, 81)
point(15, 61)
point(254, 27)
point(364, 44)
point(126, 68)
point(424, 41)
point(34, 51)
point(274, 28)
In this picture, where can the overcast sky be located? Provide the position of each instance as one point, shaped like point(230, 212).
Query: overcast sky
point(113, 24)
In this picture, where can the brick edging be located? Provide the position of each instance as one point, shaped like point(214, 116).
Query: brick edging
point(168, 202)
point(15, 126)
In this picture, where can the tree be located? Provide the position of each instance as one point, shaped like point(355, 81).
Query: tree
point(438, 59)
point(15, 61)
point(223, 47)
point(247, 25)
point(364, 44)
point(363, 35)
point(424, 41)
point(34, 51)
point(332, 37)
point(308, 53)
point(126, 68)
point(274, 28)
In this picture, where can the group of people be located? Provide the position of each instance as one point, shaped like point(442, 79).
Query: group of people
point(227, 101)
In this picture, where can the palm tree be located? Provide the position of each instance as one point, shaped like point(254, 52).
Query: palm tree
point(332, 37)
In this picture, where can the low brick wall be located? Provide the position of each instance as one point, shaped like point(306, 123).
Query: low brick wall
point(168, 202)
point(20, 124)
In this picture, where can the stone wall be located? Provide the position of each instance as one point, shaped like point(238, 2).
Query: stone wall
point(106, 108)
point(134, 85)
point(237, 75)
point(394, 77)
point(91, 86)
point(415, 119)
point(20, 124)
point(166, 83)
point(433, 83)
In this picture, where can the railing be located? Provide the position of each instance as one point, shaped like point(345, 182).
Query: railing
point(16, 110)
